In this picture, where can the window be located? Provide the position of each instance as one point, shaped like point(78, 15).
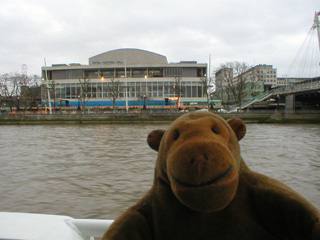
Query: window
point(201, 72)
point(183, 88)
point(138, 89)
point(194, 89)
point(107, 73)
point(160, 89)
point(63, 91)
point(74, 74)
point(59, 74)
point(58, 91)
point(139, 73)
point(149, 89)
point(105, 89)
point(173, 72)
point(73, 93)
point(68, 91)
point(92, 74)
point(122, 89)
point(154, 89)
point(155, 73)
point(120, 73)
point(99, 90)
point(78, 90)
point(200, 92)
point(188, 89)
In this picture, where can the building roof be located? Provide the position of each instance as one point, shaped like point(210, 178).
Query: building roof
point(129, 56)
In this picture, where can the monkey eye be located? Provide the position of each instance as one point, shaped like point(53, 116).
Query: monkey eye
point(215, 130)
point(176, 134)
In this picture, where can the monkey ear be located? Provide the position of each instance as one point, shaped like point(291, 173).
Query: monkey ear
point(154, 139)
point(238, 126)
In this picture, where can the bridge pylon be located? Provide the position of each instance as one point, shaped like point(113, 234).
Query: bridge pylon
point(316, 25)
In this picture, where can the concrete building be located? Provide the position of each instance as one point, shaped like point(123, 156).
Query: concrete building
point(221, 76)
point(252, 83)
point(141, 74)
point(264, 73)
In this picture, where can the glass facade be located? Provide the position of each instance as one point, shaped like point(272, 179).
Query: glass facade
point(147, 74)
point(152, 89)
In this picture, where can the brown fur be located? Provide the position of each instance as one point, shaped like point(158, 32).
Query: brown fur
point(203, 190)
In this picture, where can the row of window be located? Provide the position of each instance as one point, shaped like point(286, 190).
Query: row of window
point(267, 76)
point(134, 90)
point(266, 71)
point(271, 80)
point(130, 72)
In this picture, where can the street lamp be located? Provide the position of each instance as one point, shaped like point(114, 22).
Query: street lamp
point(144, 101)
point(79, 108)
point(18, 105)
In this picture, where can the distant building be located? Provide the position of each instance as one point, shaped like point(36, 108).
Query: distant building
point(264, 73)
point(141, 74)
point(248, 85)
point(220, 78)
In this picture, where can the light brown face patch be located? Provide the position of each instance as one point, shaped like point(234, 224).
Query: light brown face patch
point(199, 158)
point(204, 184)
point(200, 161)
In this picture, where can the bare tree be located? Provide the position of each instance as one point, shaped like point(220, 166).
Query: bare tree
point(222, 94)
point(236, 82)
point(10, 85)
point(206, 87)
point(221, 88)
point(16, 88)
point(5, 89)
point(85, 92)
point(177, 89)
point(35, 87)
point(52, 88)
point(30, 93)
point(113, 91)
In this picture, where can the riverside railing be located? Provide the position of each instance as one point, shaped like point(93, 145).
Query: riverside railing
point(252, 100)
point(118, 116)
point(299, 87)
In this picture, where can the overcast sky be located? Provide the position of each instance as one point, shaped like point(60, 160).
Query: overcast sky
point(71, 31)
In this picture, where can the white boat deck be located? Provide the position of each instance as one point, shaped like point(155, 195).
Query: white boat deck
point(20, 226)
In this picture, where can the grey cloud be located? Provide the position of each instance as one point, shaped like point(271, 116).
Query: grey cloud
point(72, 31)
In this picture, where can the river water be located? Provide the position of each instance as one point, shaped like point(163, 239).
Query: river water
point(98, 171)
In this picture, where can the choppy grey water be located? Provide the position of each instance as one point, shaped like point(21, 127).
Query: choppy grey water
point(98, 171)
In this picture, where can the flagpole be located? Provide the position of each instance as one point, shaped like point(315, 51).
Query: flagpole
point(125, 77)
point(48, 93)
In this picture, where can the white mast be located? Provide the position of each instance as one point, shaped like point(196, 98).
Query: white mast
point(125, 77)
point(209, 74)
point(48, 93)
point(316, 25)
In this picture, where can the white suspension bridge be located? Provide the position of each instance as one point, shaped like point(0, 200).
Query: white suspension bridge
point(306, 65)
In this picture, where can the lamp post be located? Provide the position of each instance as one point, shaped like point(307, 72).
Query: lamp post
point(144, 101)
point(18, 104)
point(79, 108)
